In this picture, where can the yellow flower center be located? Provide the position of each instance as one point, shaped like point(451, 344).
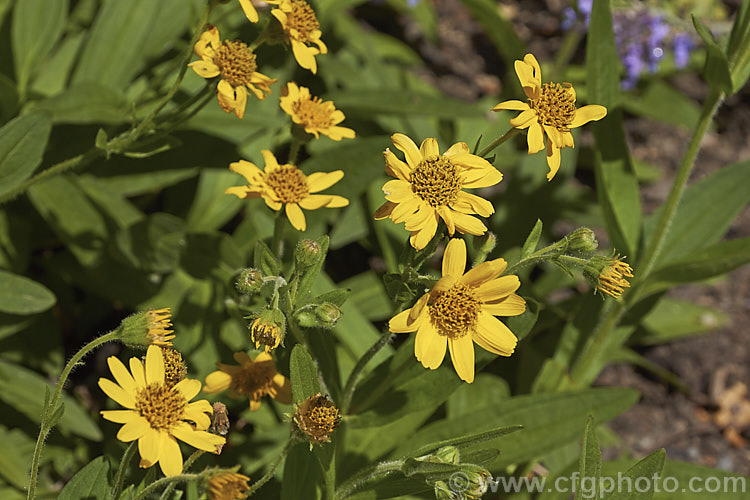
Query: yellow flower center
point(436, 181)
point(302, 20)
point(175, 368)
point(313, 113)
point(254, 380)
point(454, 312)
point(612, 279)
point(289, 183)
point(162, 406)
point(317, 417)
point(556, 106)
point(236, 62)
point(267, 334)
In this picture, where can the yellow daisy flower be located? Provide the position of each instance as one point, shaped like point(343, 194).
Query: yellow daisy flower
point(236, 64)
point(550, 113)
point(228, 486)
point(286, 185)
point(252, 378)
point(301, 27)
point(429, 187)
point(249, 9)
point(461, 308)
point(313, 114)
point(156, 414)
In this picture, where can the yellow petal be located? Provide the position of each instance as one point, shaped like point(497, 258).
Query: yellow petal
point(269, 160)
point(319, 181)
point(117, 393)
point(421, 218)
point(314, 201)
point(335, 201)
point(395, 167)
point(419, 308)
point(121, 374)
point(535, 138)
point(296, 217)
point(484, 272)
point(139, 374)
point(201, 419)
point(471, 161)
point(170, 456)
point(429, 147)
point(405, 210)
point(429, 346)
point(443, 284)
point(197, 439)
point(468, 203)
point(454, 258)
point(554, 135)
point(419, 239)
point(462, 355)
point(249, 171)
point(385, 211)
point(468, 224)
point(337, 133)
point(217, 381)
point(240, 101)
point(553, 160)
point(120, 416)
point(205, 69)
point(238, 191)
point(492, 335)
point(148, 448)
point(398, 191)
point(202, 406)
point(305, 56)
point(457, 148)
point(133, 429)
point(512, 305)
point(189, 388)
point(283, 389)
point(249, 9)
point(592, 112)
point(445, 213)
point(478, 178)
point(401, 323)
point(524, 120)
point(154, 365)
point(410, 150)
point(498, 288)
point(511, 105)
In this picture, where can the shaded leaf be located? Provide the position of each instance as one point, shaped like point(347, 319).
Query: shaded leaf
point(20, 295)
point(22, 143)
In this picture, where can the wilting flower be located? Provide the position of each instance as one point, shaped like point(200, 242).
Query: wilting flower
point(301, 27)
point(252, 378)
point(236, 64)
point(461, 308)
point(286, 185)
point(429, 187)
point(156, 414)
point(317, 417)
point(315, 115)
point(550, 113)
point(268, 329)
point(228, 486)
point(608, 274)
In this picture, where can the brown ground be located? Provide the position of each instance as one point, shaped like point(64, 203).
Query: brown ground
point(709, 426)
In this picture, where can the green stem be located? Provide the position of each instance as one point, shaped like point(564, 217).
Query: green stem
point(189, 462)
point(182, 478)
point(497, 142)
point(365, 476)
point(294, 149)
point(272, 470)
point(122, 469)
point(49, 411)
point(277, 243)
point(547, 253)
point(647, 262)
point(351, 383)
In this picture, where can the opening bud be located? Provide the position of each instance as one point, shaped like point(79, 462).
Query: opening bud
point(249, 282)
point(152, 327)
point(308, 253)
point(582, 241)
point(608, 275)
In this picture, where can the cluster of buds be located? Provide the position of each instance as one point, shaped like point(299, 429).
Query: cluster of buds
point(469, 481)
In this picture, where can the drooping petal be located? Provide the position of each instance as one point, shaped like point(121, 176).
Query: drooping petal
point(154, 365)
point(567, 139)
point(429, 346)
point(553, 159)
point(484, 272)
point(319, 181)
point(117, 393)
point(429, 147)
point(512, 305)
point(492, 335)
point(337, 133)
point(445, 213)
point(454, 258)
point(535, 138)
point(296, 216)
point(498, 288)
point(240, 101)
point(468, 224)
point(121, 374)
point(133, 429)
point(462, 355)
point(536, 70)
point(305, 56)
point(404, 144)
point(554, 135)
point(511, 105)
point(592, 112)
point(170, 456)
point(189, 388)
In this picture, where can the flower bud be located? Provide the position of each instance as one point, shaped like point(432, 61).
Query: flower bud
point(608, 275)
point(308, 253)
point(477, 480)
point(317, 417)
point(268, 329)
point(443, 492)
point(446, 455)
point(328, 314)
point(249, 282)
point(582, 241)
point(143, 329)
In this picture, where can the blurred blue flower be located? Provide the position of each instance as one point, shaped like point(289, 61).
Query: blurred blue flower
point(682, 45)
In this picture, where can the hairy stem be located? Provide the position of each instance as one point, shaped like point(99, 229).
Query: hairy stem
point(182, 478)
point(351, 383)
point(363, 477)
point(122, 469)
point(497, 142)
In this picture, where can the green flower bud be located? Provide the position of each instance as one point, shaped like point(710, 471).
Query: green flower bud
point(582, 241)
point(307, 253)
point(443, 492)
point(143, 329)
point(446, 455)
point(249, 282)
point(478, 478)
point(328, 314)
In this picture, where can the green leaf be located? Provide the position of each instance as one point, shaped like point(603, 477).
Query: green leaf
point(16, 457)
point(22, 144)
point(304, 374)
point(153, 244)
point(590, 464)
point(86, 102)
point(301, 465)
point(616, 182)
point(20, 295)
point(532, 240)
point(264, 260)
point(93, 481)
point(660, 101)
point(673, 319)
point(400, 102)
point(118, 43)
point(707, 210)
point(713, 261)
point(732, 485)
point(211, 208)
point(716, 71)
point(23, 389)
point(497, 28)
point(738, 48)
point(549, 421)
point(649, 467)
point(522, 324)
point(37, 24)
point(466, 441)
point(470, 397)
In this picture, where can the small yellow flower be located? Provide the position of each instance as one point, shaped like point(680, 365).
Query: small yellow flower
point(550, 113)
point(228, 486)
point(286, 185)
point(249, 9)
point(461, 308)
point(317, 417)
point(429, 187)
point(612, 278)
point(160, 327)
point(301, 27)
point(252, 378)
point(156, 414)
point(236, 64)
point(313, 114)
point(268, 329)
